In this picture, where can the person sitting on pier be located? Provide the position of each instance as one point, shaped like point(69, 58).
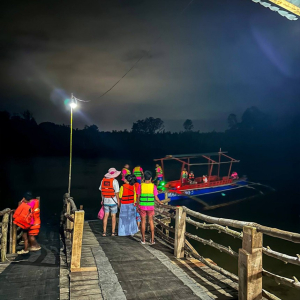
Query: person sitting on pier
point(146, 197)
point(125, 171)
point(204, 179)
point(138, 172)
point(109, 188)
point(31, 223)
point(191, 177)
point(184, 176)
point(127, 216)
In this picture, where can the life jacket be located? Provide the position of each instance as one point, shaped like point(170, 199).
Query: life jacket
point(127, 173)
point(184, 174)
point(205, 179)
point(147, 194)
point(136, 187)
point(137, 172)
point(23, 216)
point(159, 172)
point(107, 188)
point(128, 194)
point(35, 228)
point(191, 176)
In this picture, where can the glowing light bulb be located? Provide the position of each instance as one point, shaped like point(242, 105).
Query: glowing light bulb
point(73, 105)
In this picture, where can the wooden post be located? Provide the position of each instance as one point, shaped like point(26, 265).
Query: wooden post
point(179, 233)
point(14, 238)
point(10, 232)
point(250, 265)
point(77, 240)
point(68, 235)
point(5, 220)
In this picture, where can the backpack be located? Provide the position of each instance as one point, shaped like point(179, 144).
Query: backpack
point(23, 216)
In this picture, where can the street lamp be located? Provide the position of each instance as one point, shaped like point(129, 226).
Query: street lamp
point(73, 105)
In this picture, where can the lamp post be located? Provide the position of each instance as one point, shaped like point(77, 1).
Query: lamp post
point(73, 105)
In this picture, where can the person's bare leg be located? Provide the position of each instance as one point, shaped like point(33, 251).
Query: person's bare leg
point(139, 225)
point(113, 223)
point(32, 241)
point(143, 227)
point(25, 239)
point(105, 222)
point(151, 228)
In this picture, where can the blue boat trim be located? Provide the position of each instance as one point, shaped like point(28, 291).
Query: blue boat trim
point(204, 191)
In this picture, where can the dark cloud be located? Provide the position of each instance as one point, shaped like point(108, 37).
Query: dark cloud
point(215, 58)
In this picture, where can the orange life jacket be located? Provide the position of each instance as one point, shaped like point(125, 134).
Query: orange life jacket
point(35, 228)
point(128, 194)
point(23, 216)
point(107, 188)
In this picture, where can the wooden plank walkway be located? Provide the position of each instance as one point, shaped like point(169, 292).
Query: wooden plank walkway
point(127, 269)
point(36, 275)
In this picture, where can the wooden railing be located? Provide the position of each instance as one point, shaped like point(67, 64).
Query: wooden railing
point(250, 263)
point(10, 234)
point(72, 222)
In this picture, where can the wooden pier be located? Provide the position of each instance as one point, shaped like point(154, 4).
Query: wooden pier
point(82, 264)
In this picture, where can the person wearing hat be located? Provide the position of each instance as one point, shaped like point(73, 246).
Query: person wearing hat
point(109, 188)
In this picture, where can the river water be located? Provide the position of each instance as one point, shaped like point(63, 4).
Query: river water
point(47, 177)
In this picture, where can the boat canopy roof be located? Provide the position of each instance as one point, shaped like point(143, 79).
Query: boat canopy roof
point(207, 156)
point(194, 155)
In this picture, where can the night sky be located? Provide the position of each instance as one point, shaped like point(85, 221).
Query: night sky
point(217, 57)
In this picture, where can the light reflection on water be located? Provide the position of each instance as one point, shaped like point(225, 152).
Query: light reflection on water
point(48, 178)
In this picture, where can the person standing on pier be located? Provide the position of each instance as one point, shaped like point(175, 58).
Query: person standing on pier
point(184, 176)
point(109, 188)
point(127, 217)
point(138, 172)
point(31, 227)
point(147, 196)
point(125, 171)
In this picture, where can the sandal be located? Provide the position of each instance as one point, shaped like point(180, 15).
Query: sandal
point(152, 243)
point(104, 234)
point(22, 252)
point(113, 234)
point(35, 248)
point(143, 242)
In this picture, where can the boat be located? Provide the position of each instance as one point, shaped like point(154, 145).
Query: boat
point(217, 191)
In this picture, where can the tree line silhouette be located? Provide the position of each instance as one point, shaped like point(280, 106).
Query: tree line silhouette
point(254, 133)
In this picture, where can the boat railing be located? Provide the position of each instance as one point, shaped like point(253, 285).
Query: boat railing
point(72, 222)
point(249, 256)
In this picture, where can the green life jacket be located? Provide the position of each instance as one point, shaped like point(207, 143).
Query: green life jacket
point(137, 172)
point(147, 194)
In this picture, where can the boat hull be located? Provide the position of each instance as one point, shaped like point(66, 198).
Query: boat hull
point(182, 194)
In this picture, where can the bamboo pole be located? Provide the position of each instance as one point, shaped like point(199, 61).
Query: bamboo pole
point(282, 234)
point(250, 265)
point(212, 266)
point(294, 283)
point(5, 221)
point(269, 296)
point(10, 232)
point(295, 260)
point(14, 238)
point(179, 233)
point(164, 225)
point(220, 228)
point(211, 243)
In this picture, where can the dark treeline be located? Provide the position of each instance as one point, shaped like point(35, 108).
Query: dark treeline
point(255, 133)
